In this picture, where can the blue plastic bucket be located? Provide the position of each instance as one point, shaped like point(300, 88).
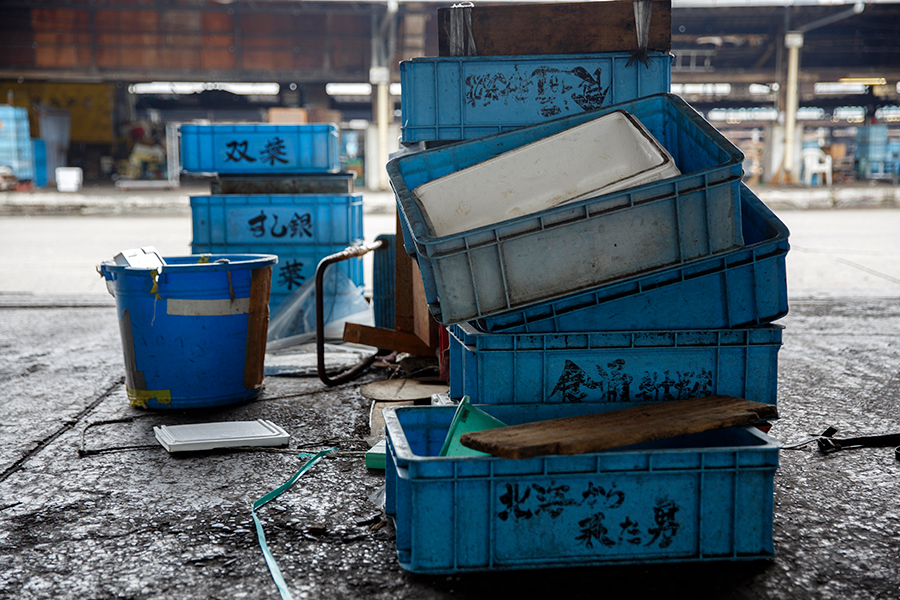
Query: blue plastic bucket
point(194, 330)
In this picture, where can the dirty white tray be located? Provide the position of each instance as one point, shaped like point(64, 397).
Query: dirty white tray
point(229, 434)
point(604, 155)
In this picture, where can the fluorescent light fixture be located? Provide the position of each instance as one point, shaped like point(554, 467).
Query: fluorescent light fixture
point(395, 89)
point(851, 114)
point(738, 115)
point(195, 87)
point(888, 114)
point(863, 80)
point(810, 113)
point(757, 89)
point(702, 89)
point(348, 89)
point(825, 88)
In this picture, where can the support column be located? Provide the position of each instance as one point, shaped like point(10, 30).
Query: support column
point(380, 78)
point(793, 41)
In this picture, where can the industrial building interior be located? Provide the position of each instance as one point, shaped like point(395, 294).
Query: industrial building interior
point(102, 81)
point(695, 323)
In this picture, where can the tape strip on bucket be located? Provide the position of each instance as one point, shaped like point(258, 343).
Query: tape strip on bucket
point(207, 308)
point(140, 398)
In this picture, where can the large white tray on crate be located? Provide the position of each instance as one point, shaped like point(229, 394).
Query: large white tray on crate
point(584, 243)
point(601, 156)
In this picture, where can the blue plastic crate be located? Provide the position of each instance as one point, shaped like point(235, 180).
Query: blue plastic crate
point(296, 264)
point(614, 367)
point(260, 149)
point(282, 219)
point(460, 98)
point(576, 246)
point(693, 498)
point(741, 288)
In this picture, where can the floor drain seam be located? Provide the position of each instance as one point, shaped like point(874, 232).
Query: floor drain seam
point(68, 425)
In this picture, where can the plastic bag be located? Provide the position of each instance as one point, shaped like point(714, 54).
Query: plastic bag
point(294, 321)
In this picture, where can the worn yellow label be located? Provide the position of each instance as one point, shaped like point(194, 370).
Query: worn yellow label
point(139, 398)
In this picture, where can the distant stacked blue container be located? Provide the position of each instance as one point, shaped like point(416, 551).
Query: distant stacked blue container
point(301, 229)
point(689, 328)
point(15, 142)
point(40, 163)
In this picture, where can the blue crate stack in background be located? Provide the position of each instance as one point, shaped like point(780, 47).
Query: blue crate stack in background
point(16, 145)
point(279, 190)
point(655, 293)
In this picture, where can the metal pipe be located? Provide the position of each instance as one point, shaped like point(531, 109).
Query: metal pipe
point(857, 9)
point(353, 373)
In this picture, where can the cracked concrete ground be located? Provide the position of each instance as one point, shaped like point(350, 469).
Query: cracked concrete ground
point(91, 507)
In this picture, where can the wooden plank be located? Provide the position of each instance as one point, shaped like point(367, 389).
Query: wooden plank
point(257, 327)
point(386, 339)
point(558, 28)
point(403, 283)
point(424, 325)
point(592, 433)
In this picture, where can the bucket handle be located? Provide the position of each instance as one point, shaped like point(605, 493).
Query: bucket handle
point(353, 373)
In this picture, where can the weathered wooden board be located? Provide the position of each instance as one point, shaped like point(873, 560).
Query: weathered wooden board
point(386, 339)
point(552, 28)
point(592, 433)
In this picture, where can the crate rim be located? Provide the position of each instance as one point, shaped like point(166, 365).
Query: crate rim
point(518, 58)
point(776, 245)
point(403, 451)
point(767, 329)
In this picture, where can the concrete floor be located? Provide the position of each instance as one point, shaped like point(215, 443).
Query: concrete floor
point(91, 507)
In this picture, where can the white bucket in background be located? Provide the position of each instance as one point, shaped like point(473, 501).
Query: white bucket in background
point(68, 179)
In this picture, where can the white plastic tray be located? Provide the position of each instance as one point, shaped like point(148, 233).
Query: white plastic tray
point(604, 155)
point(229, 434)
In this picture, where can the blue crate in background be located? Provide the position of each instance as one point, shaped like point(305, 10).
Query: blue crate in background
point(260, 149)
point(741, 288)
point(16, 149)
point(622, 368)
point(537, 258)
point(294, 220)
point(457, 98)
point(383, 270)
point(692, 498)
point(40, 163)
point(296, 264)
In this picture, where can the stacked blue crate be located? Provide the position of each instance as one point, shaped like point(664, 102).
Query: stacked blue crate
point(301, 229)
point(876, 157)
point(462, 98)
point(15, 142)
point(695, 324)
